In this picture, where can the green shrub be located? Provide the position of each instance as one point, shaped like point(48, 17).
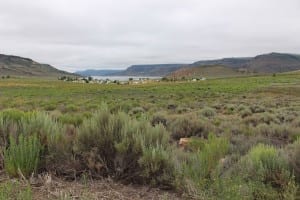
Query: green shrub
point(125, 149)
point(50, 107)
point(41, 124)
point(230, 188)
point(293, 154)
point(245, 113)
point(198, 168)
point(59, 157)
point(242, 107)
point(264, 164)
point(137, 110)
point(13, 115)
point(22, 155)
point(71, 108)
point(73, 119)
point(241, 144)
point(14, 123)
point(125, 106)
point(208, 112)
point(97, 136)
point(234, 127)
point(261, 118)
point(187, 126)
point(288, 117)
point(262, 191)
point(196, 144)
point(269, 118)
point(181, 109)
point(257, 109)
point(14, 191)
point(230, 108)
point(282, 132)
point(212, 152)
point(156, 165)
point(159, 118)
point(10, 122)
point(6, 127)
point(296, 123)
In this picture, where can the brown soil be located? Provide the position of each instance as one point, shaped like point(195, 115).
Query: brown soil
point(47, 187)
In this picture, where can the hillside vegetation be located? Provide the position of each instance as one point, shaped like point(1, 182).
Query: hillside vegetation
point(214, 71)
point(274, 63)
point(231, 67)
point(18, 66)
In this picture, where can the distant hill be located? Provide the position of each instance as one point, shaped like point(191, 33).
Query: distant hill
point(266, 63)
point(228, 62)
point(18, 66)
point(210, 71)
point(274, 63)
point(95, 72)
point(261, 64)
point(293, 72)
point(150, 70)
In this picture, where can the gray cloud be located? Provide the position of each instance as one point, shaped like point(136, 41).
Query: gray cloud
point(78, 34)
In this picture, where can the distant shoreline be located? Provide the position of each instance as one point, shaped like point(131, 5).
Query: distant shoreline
point(125, 78)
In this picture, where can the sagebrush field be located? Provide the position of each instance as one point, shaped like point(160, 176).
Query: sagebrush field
point(241, 137)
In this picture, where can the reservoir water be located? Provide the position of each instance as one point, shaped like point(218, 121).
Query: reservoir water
point(124, 78)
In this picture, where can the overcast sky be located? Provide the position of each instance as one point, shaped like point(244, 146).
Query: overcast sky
point(106, 34)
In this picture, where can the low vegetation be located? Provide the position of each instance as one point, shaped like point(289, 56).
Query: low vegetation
point(15, 190)
point(216, 139)
point(22, 156)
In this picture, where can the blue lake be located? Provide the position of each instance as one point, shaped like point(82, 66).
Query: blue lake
point(124, 78)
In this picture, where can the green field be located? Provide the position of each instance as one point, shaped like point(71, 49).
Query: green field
point(243, 134)
point(35, 94)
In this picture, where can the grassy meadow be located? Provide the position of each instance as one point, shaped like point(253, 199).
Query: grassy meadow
point(243, 136)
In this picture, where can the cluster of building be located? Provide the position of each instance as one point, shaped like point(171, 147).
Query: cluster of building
point(92, 80)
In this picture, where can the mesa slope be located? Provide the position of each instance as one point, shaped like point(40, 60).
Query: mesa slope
point(19, 66)
point(215, 71)
point(232, 67)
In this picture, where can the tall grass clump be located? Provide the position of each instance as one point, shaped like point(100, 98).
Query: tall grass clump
point(47, 130)
point(5, 128)
point(198, 169)
point(10, 120)
point(73, 119)
point(12, 123)
point(266, 169)
point(59, 157)
point(293, 154)
point(13, 115)
point(14, 190)
point(41, 124)
point(156, 165)
point(22, 155)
